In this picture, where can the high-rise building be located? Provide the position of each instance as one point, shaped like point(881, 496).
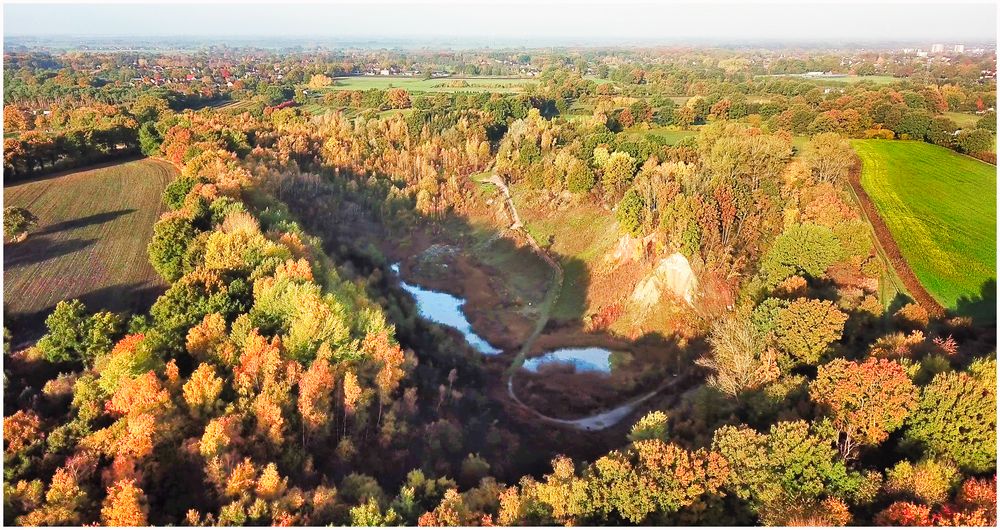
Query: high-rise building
point(937, 48)
point(958, 48)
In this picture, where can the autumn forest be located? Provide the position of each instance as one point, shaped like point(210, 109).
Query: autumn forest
point(382, 286)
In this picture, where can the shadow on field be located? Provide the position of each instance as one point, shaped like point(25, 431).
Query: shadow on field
point(125, 299)
point(96, 219)
point(982, 308)
point(40, 249)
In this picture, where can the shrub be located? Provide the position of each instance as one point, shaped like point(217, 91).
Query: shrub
point(17, 222)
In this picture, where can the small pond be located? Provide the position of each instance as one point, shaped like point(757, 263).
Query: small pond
point(445, 309)
point(590, 359)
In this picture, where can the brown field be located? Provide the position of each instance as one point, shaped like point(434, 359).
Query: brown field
point(90, 242)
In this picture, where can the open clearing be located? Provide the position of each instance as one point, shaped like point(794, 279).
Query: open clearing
point(963, 119)
point(940, 208)
point(90, 242)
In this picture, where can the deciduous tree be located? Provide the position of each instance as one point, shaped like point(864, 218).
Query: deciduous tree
point(955, 418)
point(805, 329)
point(125, 505)
point(741, 358)
point(866, 401)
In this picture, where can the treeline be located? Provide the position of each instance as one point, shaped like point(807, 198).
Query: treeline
point(33, 154)
point(65, 138)
point(904, 110)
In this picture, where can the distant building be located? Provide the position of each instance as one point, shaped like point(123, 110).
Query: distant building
point(958, 48)
point(937, 48)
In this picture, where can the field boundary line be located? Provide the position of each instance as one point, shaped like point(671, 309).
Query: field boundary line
point(888, 246)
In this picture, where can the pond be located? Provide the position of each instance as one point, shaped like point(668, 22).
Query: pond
point(590, 359)
point(445, 309)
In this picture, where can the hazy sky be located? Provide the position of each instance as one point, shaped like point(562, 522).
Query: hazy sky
point(572, 21)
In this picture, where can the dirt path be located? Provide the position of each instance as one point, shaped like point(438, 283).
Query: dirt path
point(557, 277)
point(594, 422)
point(601, 420)
point(889, 248)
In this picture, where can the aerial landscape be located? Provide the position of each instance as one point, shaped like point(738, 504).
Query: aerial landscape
point(449, 265)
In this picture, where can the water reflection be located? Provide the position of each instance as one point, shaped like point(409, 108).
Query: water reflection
point(590, 359)
point(446, 309)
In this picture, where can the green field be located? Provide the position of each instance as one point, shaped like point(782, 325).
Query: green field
point(671, 135)
point(940, 207)
point(502, 85)
point(90, 242)
point(963, 119)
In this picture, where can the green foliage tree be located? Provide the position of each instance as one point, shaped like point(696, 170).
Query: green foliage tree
point(167, 248)
point(75, 336)
point(177, 191)
point(801, 249)
point(631, 212)
point(941, 130)
point(955, 418)
point(988, 122)
point(150, 139)
point(975, 141)
point(794, 463)
point(579, 177)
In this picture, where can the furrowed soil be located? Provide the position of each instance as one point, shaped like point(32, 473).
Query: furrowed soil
point(90, 242)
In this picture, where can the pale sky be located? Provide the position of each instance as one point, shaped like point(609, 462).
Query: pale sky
point(573, 22)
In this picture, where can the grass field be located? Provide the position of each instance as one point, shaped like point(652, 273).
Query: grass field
point(963, 119)
point(941, 209)
point(670, 134)
point(90, 242)
point(235, 107)
point(503, 85)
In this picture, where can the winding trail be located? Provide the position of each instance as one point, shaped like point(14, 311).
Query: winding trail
point(557, 278)
point(595, 422)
